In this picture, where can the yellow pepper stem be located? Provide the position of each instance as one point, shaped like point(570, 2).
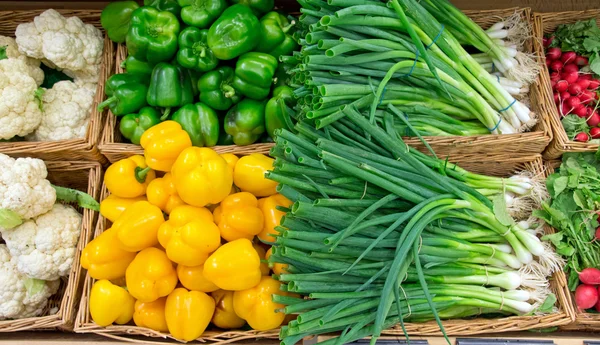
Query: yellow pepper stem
point(140, 174)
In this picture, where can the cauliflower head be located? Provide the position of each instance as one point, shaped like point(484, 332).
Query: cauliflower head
point(24, 188)
point(20, 112)
point(21, 297)
point(66, 112)
point(44, 247)
point(65, 43)
point(12, 51)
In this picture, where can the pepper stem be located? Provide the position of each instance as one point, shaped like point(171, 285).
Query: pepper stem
point(165, 114)
point(140, 174)
point(123, 64)
point(76, 196)
point(9, 219)
point(287, 28)
point(106, 103)
point(228, 91)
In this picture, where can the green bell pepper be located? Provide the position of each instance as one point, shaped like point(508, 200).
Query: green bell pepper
point(193, 52)
point(201, 13)
point(282, 77)
point(224, 138)
point(276, 115)
point(115, 19)
point(127, 94)
point(170, 86)
point(153, 35)
point(274, 38)
point(216, 90)
point(236, 32)
point(165, 5)
point(200, 122)
point(254, 75)
point(132, 126)
point(135, 66)
point(245, 122)
point(257, 6)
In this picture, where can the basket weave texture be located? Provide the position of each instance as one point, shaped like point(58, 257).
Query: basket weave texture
point(547, 23)
point(114, 148)
point(85, 148)
point(87, 177)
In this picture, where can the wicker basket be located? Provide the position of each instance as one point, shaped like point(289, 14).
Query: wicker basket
point(501, 165)
point(546, 23)
point(85, 176)
point(74, 149)
point(113, 147)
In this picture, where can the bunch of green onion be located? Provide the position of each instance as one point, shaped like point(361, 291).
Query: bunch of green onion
point(410, 54)
point(381, 234)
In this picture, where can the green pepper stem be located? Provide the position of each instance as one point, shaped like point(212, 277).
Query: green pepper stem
point(228, 91)
point(106, 103)
point(165, 114)
point(287, 28)
point(123, 64)
point(140, 174)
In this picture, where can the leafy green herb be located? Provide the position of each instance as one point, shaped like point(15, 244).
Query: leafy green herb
point(575, 198)
point(582, 37)
point(573, 125)
point(3, 52)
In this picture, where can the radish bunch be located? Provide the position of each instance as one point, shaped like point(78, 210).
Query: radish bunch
point(587, 294)
point(574, 89)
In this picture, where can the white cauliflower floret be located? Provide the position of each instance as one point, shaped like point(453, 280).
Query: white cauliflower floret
point(66, 112)
point(12, 51)
point(24, 188)
point(65, 43)
point(21, 297)
point(44, 247)
point(20, 112)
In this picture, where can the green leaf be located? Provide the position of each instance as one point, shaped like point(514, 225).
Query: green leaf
point(565, 250)
point(500, 210)
point(595, 63)
point(574, 124)
point(34, 286)
point(580, 199)
point(548, 304)
point(556, 238)
point(559, 185)
point(9, 219)
point(39, 97)
point(75, 196)
point(3, 52)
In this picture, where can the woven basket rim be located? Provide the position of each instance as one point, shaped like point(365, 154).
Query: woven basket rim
point(65, 316)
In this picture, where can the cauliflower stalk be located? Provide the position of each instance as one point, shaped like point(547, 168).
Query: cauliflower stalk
point(25, 192)
point(64, 43)
point(66, 112)
point(9, 49)
point(44, 247)
point(20, 296)
point(20, 99)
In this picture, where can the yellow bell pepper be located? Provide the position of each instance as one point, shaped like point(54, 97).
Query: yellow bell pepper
point(151, 315)
point(103, 257)
point(188, 313)
point(201, 176)
point(161, 192)
point(192, 278)
point(137, 227)
point(190, 235)
point(129, 177)
point(238, 216)
point(277, 268)
point(150, 275)
point(113, 206)
point(272, 215)
point(255, 305)
point(249, 175)
point(231, 160)
point(234, 266)
point(110, 303)
point(264, 267)
point(225, 317)
point(163, 143)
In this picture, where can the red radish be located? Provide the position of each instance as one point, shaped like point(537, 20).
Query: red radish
point(570, 68)
point(570, 77)
point(574, 102)
point(584, 83)
point(583, 137)
point(590, 110)
point(597, 234)
point(565, 109)
point(595, 132)
point(554, 53)
point(581, 61)
point(555, 76)
point(581, 112)
point(548, 62)
point(594, 83)
point(590, 275)
point(598, 303)
point(585, 76)
point(553, 83)
point(564, 96)
point(556, 97)
point(562, 85)
point(575, 89)
point(556, 65)
point(547, 41)
point(568, 57)
point(594, 119)
point(586, 97)
point(586, 296)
